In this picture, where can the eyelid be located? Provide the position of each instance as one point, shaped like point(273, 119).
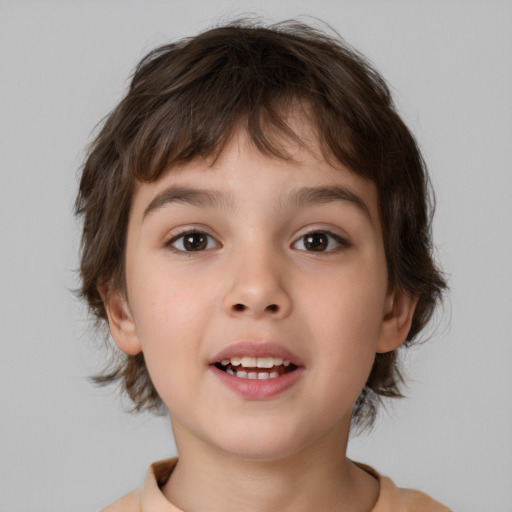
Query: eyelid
point(342, 241)
point(182, 232)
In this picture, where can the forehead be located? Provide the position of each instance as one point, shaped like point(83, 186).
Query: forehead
point(242, 172)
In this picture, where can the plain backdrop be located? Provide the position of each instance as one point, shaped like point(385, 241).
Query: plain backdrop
point(65, 445)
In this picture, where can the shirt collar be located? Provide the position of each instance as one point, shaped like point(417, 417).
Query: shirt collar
point(153, 500)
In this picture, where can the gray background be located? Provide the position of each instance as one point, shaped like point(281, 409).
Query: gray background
point(65, 445)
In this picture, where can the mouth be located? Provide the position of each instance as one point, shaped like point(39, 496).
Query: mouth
point(256, 368)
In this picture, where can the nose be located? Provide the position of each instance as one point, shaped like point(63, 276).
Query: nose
point(256, 289)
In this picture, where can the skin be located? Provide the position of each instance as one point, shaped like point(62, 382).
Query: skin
point(257, 279)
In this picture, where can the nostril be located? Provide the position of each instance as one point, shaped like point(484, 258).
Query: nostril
point(273, 308)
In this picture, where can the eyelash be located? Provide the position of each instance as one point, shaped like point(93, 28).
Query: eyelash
point(341, 243)
point(181, 236)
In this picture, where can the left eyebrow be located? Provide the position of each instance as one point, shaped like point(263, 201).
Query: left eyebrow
point(191, 196)
point(310, 196)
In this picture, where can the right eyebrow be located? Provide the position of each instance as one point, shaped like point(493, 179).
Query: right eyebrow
point(190, 196)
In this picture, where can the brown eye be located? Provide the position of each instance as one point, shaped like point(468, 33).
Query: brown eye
point(320, 241)
point(193, 242)
point(316, 242)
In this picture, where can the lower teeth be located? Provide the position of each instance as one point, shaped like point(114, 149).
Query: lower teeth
point(252, 375)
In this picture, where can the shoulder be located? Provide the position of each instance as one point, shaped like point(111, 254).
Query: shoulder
point(395, 499)
point(149, 496)
point(128, 503)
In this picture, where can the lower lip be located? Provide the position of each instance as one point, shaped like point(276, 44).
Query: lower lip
point(255, 389)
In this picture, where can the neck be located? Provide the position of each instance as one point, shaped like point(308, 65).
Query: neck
point(318, 478)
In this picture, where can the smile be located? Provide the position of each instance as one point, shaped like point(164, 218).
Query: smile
point(256, 368)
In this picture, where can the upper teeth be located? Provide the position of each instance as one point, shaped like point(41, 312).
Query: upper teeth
point(255, 362)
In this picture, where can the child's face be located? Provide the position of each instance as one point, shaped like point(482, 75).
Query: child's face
point(257, 257)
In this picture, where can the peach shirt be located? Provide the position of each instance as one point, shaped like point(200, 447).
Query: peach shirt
point(150, 498)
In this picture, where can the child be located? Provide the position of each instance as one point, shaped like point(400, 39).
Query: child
point(257, 235)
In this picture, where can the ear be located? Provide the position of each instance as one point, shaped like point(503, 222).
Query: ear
point(120, 320)
point(398, 313)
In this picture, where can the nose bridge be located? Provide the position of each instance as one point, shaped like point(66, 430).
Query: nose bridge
point(256, 283)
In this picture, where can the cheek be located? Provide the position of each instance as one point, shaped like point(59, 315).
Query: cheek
point(169, 320)
point(346, 325)
point(165, 299)
point(348, 304)
point(349, 347)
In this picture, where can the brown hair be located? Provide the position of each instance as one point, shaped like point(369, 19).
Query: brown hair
point(185, 101)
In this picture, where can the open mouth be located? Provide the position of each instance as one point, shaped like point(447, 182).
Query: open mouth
point(256, 368)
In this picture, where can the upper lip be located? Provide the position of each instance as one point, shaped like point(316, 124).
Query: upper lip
point(256, 349)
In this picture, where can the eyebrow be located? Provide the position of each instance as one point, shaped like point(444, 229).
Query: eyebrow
point(310, 196)
point(190, 196)
point(299, 198)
